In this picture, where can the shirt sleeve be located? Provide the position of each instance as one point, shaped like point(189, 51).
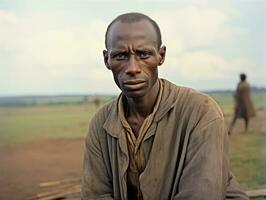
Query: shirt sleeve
point(206, 168)
point(96, 181)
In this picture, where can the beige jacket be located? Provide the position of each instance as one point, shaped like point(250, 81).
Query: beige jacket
point(186, 148)
point(244, 107)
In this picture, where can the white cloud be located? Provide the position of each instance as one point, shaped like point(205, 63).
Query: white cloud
point(63, 47)
point(202, 65)
point(205, 70)
point(192, 34)
point(69, 46)
point(45, 53)
point(194, 26)
point(38, 58)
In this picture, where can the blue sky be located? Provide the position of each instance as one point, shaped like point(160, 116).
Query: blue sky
point(55, 46)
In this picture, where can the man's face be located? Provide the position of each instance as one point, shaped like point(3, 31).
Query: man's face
point(133, 57)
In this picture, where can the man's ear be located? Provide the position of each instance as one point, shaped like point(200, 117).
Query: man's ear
point(162, 52)
point(105, 58)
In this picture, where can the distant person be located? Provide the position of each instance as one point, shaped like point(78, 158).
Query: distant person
point(156, 140)
point(243, 104)
point(97, 101)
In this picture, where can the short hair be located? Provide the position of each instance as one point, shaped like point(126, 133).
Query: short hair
point(135, 17)
point(243, 77)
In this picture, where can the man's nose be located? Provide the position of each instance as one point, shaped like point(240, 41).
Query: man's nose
point(132, 66)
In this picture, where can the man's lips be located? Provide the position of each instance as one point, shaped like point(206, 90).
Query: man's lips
point(133, 84)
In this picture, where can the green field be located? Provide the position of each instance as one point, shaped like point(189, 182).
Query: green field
point(29, 123)
point(225, 100)
point(20, 124)
point(248, 149)
point(248, 159)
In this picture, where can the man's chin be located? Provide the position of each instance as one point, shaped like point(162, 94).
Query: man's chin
point(134, 94)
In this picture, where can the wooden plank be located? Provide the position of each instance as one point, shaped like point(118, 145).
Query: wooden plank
point(57, 190)
point(74, 190)
point(54, 183)
point(256, 193)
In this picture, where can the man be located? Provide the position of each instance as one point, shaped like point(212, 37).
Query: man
point(243, 104)
point(156, 141)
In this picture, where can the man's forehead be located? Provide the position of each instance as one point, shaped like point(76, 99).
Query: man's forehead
point(141, 45)
point(141, 30)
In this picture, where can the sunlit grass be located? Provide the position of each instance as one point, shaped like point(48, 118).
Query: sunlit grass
point(38, 122)
point(248, 159)
point(28, 123)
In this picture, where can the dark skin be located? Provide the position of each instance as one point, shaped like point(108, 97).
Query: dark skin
point(133, 57)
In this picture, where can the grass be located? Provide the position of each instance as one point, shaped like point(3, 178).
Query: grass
point(247, 149)
point(226, 101)
point(38, 122)
point(248, 159)
point(28, 123)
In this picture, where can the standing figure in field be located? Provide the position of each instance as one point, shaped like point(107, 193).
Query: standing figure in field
point(156, 140)
point(243, 104)
point(97, 101)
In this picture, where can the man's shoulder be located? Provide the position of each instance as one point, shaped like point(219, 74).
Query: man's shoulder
point(103, 112)
point(187, 94)
point(189, 100)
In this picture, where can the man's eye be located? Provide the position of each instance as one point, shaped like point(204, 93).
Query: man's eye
point(143, 54)
point(120, 56)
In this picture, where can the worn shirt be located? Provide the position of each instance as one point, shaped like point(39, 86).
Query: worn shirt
point(137, 162)
point(186, 149)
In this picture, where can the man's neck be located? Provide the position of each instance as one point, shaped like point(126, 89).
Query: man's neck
point(142, 107)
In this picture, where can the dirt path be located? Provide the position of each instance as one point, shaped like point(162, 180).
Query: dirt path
point(24, 166)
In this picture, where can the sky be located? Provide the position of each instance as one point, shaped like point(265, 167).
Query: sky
point(53, 47)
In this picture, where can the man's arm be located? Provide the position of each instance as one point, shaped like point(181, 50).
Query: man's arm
point(206, 164)
point(96, 182)
point(206, 173)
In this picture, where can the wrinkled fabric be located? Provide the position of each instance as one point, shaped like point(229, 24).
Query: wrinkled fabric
point(243, 104)
point(185, 147)
point(137, 163)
